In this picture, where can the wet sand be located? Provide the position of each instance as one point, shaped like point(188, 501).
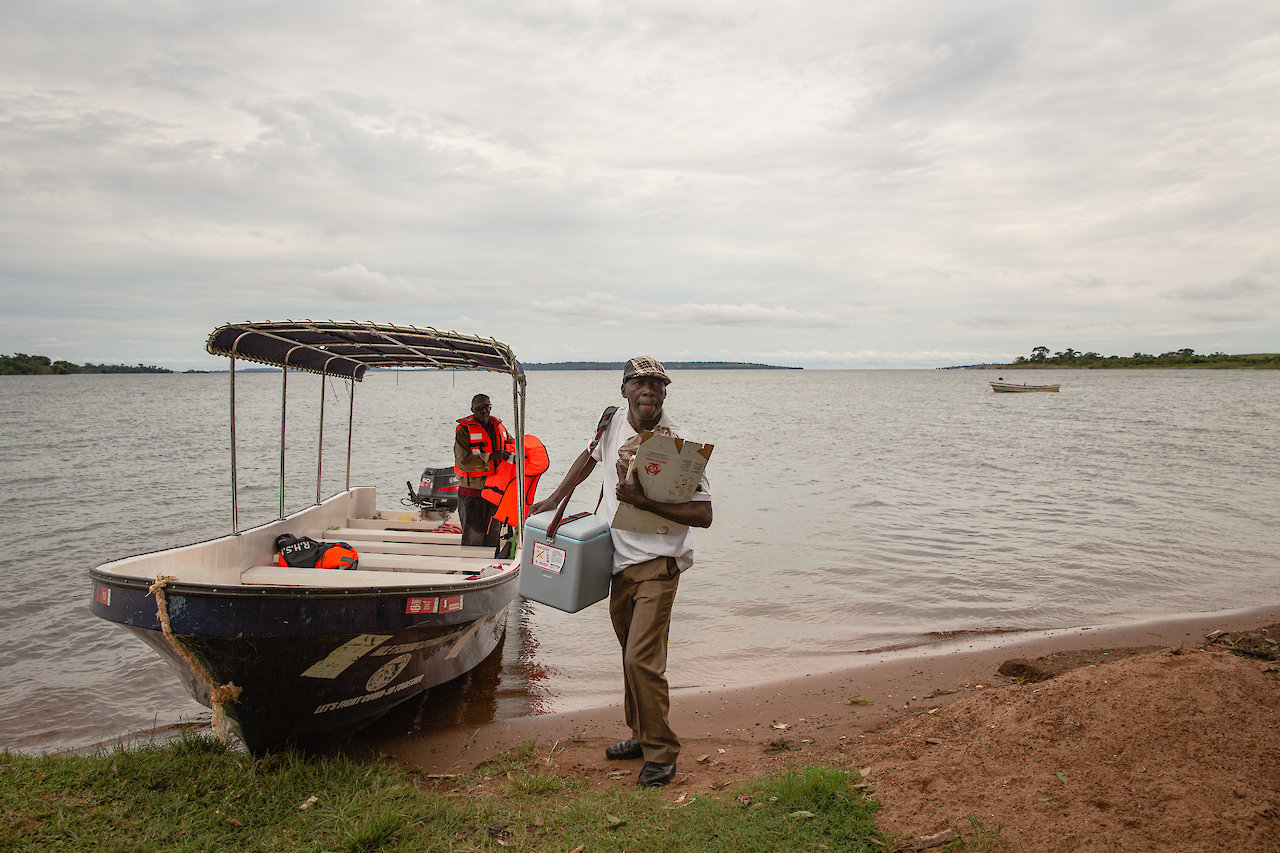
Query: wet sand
point(814, 706)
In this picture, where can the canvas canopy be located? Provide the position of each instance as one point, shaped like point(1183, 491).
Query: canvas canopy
point(349, 349)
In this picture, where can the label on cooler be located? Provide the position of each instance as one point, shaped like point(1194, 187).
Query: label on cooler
point(548, 557)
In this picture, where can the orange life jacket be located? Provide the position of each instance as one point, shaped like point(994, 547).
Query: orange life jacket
point(478, 442)
point(498, 487)
point(339, 555)
point(303, 552)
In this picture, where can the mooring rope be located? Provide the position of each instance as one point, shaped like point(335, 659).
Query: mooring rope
point(219, 694)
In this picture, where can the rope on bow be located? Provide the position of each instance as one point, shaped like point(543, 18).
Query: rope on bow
point(219, 694)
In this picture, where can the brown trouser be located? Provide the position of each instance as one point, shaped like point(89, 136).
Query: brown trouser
point(640, 599)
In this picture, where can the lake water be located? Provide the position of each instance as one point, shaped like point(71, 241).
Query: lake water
point(853, 510)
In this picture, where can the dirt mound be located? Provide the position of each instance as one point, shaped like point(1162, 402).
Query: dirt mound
point(1169, 750)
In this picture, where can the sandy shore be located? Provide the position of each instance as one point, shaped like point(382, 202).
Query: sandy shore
point(1152, 740)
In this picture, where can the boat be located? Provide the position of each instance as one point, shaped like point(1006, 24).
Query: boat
point(1015, 387)
point(297, 656)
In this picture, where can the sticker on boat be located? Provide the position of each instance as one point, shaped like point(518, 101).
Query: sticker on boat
point(368, 697)
point(452, 604)
point(344, 655)
point(387, 673)
point(547, 557)
point(102, 594)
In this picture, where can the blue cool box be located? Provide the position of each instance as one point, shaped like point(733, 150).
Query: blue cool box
point(571, 572)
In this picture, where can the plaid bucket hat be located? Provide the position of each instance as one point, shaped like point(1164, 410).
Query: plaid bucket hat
point(643, 365)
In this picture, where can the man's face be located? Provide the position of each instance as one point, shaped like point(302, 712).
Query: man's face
point(480, 407)
point(645, 395)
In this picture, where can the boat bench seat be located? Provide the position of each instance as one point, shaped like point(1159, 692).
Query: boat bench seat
point(382, 534)
point(387, 543)
point(419, 563)
point(289, 576)
point(389, 518)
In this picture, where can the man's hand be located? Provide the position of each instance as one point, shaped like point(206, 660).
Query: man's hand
point(631, 492)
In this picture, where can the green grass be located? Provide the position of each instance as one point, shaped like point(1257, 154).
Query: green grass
point(193, 795)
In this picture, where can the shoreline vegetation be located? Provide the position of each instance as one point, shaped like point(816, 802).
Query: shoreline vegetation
point(21, 364)
point(1177, 359)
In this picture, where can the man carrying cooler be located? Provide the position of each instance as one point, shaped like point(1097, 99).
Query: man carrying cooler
point(646, 569)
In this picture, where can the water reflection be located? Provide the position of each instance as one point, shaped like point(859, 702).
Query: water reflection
point(509, 683)
point(535, 676)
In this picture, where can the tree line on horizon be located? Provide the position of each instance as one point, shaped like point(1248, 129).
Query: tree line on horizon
point(1186, 357)
point(21, 364)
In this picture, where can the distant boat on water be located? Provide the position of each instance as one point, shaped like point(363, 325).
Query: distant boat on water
point(1006, 387)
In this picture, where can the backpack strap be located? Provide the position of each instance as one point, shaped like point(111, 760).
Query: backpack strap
point(605, 419)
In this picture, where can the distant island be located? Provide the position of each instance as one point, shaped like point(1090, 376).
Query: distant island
point(21, 364)
point(1183, 358)
point(674, 365)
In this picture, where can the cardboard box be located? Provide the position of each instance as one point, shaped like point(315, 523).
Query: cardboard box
point(668, 469)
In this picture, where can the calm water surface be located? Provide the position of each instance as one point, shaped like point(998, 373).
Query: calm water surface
point(853, 510)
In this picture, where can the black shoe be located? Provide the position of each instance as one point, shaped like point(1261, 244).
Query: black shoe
point(624, 750)
point(654, 774)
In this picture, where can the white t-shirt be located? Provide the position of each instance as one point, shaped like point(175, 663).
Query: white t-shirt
point(630, 548)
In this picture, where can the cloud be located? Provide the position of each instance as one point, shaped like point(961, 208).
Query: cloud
point(1234, 318)
point(1083, 282)
point(1240, 287)
point(593, 306)
point(746, 315)
point(934, 177)
point(878, 358)
point(988, 321)
point(357, 283)
point(607, 307)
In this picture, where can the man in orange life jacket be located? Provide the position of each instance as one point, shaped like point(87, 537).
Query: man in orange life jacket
point(480, 442)
point(646, 569)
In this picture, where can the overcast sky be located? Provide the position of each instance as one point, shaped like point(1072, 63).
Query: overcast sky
point(823, 183)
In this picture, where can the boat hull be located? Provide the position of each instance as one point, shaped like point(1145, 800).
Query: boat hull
point(313, 664)
point(1008, 387)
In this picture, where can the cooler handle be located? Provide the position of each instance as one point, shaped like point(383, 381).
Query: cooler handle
point(559, 518)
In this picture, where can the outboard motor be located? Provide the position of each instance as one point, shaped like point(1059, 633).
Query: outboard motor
point(437, 490)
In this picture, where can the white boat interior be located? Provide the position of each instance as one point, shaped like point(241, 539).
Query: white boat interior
point(396, 548)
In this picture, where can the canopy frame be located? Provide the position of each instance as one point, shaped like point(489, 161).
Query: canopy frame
point(349, 350)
